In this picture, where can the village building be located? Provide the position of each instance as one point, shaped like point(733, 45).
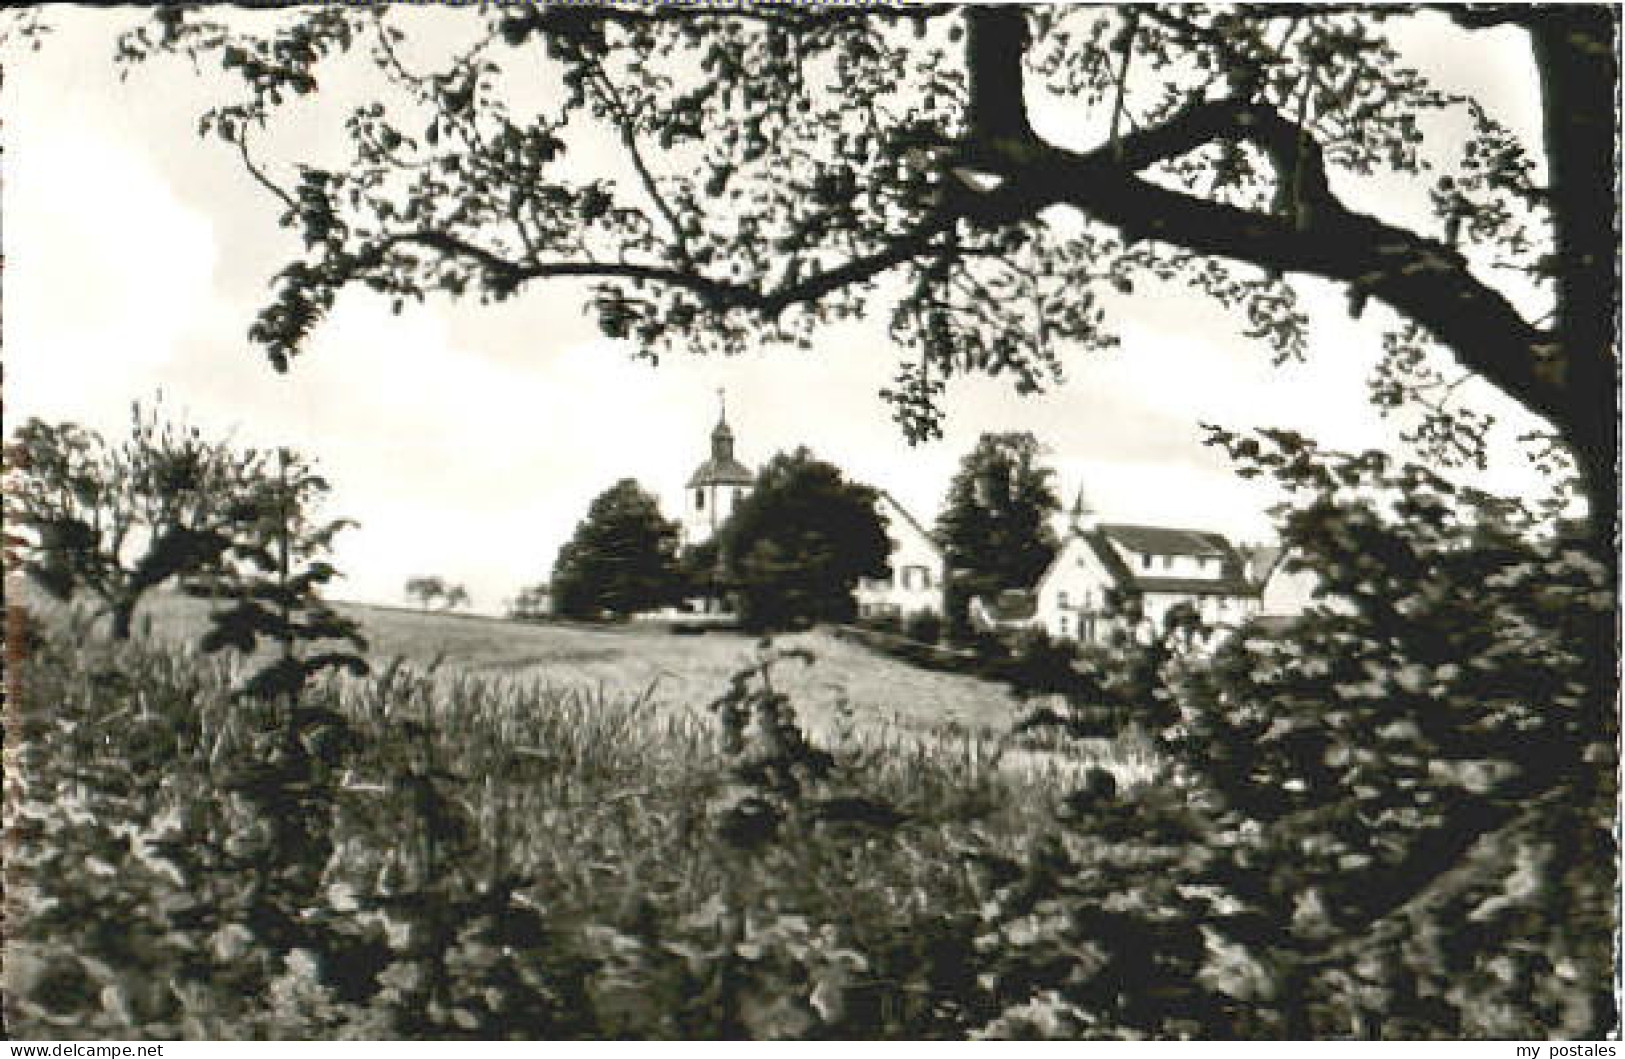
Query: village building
point(1101, 565)
point(716, 487)
point(919, 570)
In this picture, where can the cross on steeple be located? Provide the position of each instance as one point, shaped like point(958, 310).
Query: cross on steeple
point(722, 435)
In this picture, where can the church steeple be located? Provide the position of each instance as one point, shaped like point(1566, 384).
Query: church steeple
point(722, 436)
point(1083, 518)
point(718, 484)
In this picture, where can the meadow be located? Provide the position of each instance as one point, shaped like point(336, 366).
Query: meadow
point(553, 832)
point(504, 830)
point(848, 693)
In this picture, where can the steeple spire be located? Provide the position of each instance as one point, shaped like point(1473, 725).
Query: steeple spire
point(1083, 518)
point(722, 436)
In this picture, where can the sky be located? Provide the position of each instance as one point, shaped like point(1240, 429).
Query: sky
point(468, 441)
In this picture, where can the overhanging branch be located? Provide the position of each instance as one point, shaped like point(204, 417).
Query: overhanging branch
point(716, 294)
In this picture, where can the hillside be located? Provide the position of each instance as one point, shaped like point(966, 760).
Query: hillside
point(880, 694)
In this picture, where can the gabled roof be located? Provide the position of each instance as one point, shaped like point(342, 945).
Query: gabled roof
point(911, 520)
point(1261, 561)
point(1231, 581)
point(1164, 540)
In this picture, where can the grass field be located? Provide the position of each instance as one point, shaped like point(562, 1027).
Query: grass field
point(849, 692)
point(544, 836)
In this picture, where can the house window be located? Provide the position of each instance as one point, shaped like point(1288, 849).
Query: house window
point(1167, 562)
point(1066, 625)
point(1061, 602)
point(699, 499)
point(1145, 562)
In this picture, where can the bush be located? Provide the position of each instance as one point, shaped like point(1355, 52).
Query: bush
point(1396, 816)
point(484, 858)
point(924, 626)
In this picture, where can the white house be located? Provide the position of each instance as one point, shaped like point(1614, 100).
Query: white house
point(919, 570)
point(1162, 566)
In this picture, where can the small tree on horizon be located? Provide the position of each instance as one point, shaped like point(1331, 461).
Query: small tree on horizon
point(531, 602)
point(428, 590)
point(622, 558)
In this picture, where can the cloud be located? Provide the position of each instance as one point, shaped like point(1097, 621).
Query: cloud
point(105, 271)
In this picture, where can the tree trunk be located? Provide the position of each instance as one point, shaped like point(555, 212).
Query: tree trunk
point(1574, 53)
point(124, 616)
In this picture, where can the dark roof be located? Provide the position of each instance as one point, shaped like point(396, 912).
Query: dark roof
point(1163, 540)
point(1272, 625)
point(1232, 579)
point(728, 471)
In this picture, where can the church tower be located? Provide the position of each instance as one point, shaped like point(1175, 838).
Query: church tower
point(1082, 518)
point(717, 485)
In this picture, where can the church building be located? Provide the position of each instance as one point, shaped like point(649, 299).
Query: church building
point(919, 572)
point(716, 487)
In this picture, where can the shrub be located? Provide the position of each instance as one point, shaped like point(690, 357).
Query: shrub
point(1398, 810)
point(924, 626)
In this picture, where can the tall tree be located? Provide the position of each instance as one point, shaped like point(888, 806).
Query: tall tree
point(995, 522)
point(994, 175)
point(622, 558)
point(796, 546)
point(117, 520)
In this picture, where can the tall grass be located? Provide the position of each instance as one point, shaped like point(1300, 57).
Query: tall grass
point(596, 807)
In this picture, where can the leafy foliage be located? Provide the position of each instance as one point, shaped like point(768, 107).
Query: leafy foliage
point(780, 169)
point(796, 545)
point(994, 526)
point(1370, 798)
point(276, 567)
point(118, 521)
point(621, 560)
point(428, 590)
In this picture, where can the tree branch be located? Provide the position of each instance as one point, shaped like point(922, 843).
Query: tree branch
point(623, 120)
point(716, 294)
point(1422, 278)
point(996, 44)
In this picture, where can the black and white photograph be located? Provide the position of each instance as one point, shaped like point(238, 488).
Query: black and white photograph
point(784, 521)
